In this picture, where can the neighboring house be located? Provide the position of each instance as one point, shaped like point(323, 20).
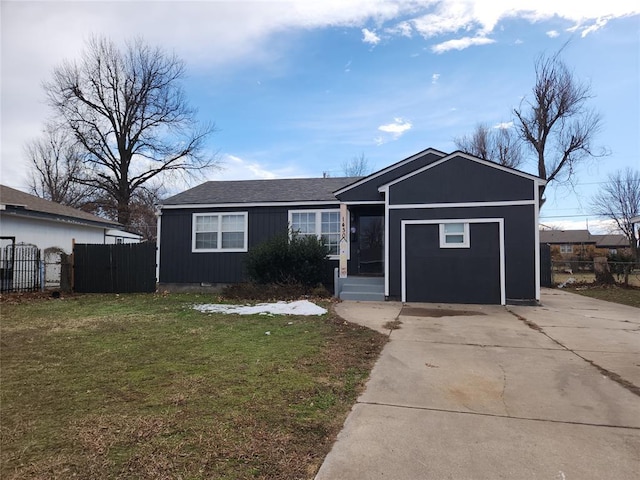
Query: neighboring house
point(434, 227)
point(46, 224)
point(572, 244)
point(34, 229)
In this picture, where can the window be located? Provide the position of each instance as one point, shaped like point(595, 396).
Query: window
point(321, 223)
point(219, 232)
point(566, 248)
point(454, 235)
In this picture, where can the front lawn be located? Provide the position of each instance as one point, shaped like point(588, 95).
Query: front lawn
point(143, 386)
point(611, 293)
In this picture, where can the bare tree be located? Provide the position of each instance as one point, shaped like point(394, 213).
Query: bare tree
point(127, 110)
point(500, 145)
point(56, 161)
point(619, 200)
point(358, 166)
point(556, 122)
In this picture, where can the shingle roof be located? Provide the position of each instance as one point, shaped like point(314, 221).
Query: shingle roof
point(612, 241)
point(21, 202)
point(566, 236)
point(262, 191)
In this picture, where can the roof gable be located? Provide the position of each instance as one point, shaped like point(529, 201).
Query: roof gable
point(460, 179)
point(459, 154)
point(366, 189)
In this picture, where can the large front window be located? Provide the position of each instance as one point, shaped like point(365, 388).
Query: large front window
point(219, 232)
point(324, 224)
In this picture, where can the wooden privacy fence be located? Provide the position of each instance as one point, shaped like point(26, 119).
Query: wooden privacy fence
point(119, 268)
point(546, 279)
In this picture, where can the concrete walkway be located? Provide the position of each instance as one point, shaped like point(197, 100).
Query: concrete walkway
point(488, 392)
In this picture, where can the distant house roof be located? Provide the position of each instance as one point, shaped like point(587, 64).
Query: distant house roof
point(566, 236)
point(20, 203)
point(262, 191)
point(611, 241)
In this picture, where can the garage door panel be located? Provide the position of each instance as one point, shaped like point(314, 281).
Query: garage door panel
point(453, 275)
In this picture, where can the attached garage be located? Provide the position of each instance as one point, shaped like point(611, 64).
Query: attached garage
point(453, 261)
point(462, 230)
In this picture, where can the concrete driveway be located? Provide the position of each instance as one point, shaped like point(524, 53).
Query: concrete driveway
point(488, 392)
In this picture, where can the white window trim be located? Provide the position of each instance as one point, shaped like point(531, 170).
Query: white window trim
point(318, 212)
point(443, 236)
point(566, 248)
point(219, 249)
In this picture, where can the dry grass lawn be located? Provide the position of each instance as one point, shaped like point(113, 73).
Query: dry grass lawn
point(142, 386)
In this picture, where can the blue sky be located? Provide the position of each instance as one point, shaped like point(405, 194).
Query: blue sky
point(298, 88)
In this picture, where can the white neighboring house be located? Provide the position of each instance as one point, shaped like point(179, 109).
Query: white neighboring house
point(53, 227)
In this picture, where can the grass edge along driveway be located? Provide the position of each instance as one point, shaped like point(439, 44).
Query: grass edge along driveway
point(143, 386)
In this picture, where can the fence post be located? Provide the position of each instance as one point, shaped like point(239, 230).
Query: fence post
point(41, 274)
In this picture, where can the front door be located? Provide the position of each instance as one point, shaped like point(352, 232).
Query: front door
point(370, 245)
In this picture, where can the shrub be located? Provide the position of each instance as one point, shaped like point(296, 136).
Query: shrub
point(286, 260)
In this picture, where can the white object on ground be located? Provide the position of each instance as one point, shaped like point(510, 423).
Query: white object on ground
point(300, 307)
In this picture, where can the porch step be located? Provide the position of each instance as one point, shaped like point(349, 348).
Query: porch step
point(363, 289)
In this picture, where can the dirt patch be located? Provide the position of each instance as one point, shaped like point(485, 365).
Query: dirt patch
point(437, 312)
point(392, 324)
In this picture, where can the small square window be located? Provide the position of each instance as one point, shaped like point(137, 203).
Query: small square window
point(454, 235)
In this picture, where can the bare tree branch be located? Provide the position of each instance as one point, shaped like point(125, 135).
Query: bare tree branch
point(555, 123)
point(619, 200)
point(356, 167)
point(499, 145)
point(128, 111)
point(56, 161)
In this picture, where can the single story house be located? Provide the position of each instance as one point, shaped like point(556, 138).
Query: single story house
point(46, 224)
point(434, 227)
point(573, 244)
point(33, 229)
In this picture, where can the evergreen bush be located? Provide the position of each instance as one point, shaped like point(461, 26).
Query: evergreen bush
point(288, 260)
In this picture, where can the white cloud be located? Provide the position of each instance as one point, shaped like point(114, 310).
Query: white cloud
point(206, 35)
point(434, 78)
point(460, 44)
point(235, 168)
point(370, 37)
point(397, 128)
point(597, 25)
point(403, 29)
point(553, 34)
point(503, 125)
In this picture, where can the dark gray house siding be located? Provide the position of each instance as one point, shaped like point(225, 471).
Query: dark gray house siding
point(498, 205)
point(180, 265)
point(461, 180)
point(455, 266)
point(366, 190)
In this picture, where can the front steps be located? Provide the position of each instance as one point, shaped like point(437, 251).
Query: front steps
point(361, 288)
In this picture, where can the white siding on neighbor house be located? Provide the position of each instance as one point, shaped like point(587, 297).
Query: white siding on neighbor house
point(120, 236)
point(47, 233)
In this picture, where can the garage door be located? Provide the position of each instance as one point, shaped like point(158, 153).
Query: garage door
point(453, 261)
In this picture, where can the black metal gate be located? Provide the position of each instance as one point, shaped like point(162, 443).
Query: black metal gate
point(119, 268)
point(546, 280)
point(20, 267)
